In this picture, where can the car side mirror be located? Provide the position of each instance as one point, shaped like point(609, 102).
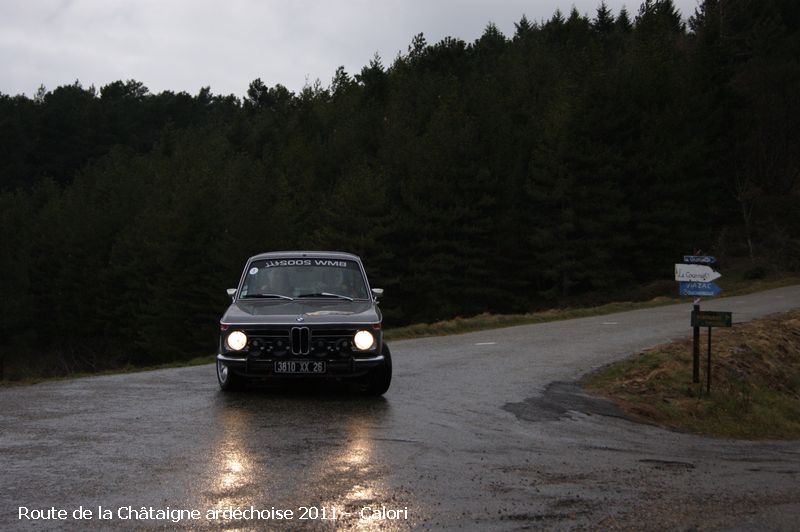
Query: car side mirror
point(377, 293)
point(231, 293)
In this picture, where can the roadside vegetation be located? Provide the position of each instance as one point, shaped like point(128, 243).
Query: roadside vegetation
point(755, 388)
point(741, 278)
point(25, 380)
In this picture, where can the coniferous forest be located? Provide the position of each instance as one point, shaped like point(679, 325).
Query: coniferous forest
point(580, 155)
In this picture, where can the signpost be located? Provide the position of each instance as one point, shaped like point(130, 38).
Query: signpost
point(698, 289)
point(695, 278)
point(695, 273)
point(710, 318)
point(699, 259)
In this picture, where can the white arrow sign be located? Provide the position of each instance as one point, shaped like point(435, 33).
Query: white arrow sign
point(695, 273)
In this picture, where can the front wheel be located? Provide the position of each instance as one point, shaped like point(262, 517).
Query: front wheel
point(228, 380)
point(379, 379)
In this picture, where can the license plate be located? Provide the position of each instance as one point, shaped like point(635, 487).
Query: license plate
point(299, 366)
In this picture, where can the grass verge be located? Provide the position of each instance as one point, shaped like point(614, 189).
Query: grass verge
point(497, 321)
point(755, 382)
point(197, 361)
point(736, 285)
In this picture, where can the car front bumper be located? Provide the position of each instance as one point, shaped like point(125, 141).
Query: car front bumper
point(265, 367)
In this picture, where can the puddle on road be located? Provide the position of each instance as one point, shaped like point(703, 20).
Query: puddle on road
point(558, 399)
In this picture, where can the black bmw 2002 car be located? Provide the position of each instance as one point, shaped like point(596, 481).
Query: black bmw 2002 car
point(304, 314)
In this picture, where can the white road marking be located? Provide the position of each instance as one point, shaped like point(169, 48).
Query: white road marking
point(486, 343)
point(610, 323)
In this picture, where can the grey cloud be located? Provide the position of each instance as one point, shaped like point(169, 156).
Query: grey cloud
point(184, 45)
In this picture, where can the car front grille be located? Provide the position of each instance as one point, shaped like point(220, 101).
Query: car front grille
point(301, 341)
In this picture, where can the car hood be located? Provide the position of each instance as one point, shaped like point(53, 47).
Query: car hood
point(312, 311)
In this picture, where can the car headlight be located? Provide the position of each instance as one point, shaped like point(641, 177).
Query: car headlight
point(364, 340)
point(237, 340)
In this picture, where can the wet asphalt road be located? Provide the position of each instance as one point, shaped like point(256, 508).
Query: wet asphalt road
point(478, 431)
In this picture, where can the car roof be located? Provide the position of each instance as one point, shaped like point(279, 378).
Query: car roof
point(312, 254)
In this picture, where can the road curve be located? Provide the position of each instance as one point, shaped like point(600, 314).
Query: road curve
point(480, 430)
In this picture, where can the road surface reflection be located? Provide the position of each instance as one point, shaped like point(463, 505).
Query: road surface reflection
point(312, 453)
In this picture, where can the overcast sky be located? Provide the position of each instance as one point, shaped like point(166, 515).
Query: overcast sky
point(183, 45)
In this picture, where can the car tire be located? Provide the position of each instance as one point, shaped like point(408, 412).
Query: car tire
point(379, 379)
point(228, 380)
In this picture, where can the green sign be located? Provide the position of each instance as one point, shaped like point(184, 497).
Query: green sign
point(710, 318)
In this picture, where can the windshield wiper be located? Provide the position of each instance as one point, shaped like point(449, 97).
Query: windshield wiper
point(326, 294)
point(277, 296)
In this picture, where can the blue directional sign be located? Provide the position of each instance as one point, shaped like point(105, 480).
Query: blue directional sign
point(699, 259)
point(699, 289)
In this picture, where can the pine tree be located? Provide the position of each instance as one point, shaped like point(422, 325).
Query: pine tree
point(603, 22)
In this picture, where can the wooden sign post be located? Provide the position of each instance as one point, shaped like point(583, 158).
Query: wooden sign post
point(710, 318)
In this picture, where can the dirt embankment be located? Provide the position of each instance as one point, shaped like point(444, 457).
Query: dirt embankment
point(755, 388)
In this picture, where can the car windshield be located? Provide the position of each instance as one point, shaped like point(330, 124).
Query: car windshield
point(304, 278)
